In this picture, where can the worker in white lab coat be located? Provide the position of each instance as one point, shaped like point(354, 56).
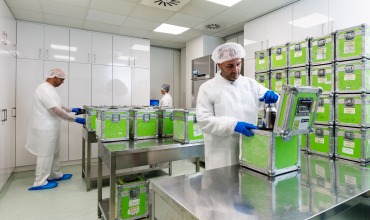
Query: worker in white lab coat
point(166, 100)
point(228, 105)
point(44, 130)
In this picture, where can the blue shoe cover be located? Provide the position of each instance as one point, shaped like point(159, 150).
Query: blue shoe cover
point(66, 176)
point(49, 185)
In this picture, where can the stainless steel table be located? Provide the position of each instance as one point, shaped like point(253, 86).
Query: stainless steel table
point(236, 192)
point(128, 154)
point(88, 172)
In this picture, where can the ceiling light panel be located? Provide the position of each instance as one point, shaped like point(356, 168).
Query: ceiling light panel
point(227, 3)
point(170, 29)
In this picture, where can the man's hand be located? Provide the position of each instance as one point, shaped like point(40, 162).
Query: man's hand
point(245, 128)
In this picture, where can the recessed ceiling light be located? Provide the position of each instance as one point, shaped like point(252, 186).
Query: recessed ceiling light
point(170, 29)
point(227, 3)
point(311, 20)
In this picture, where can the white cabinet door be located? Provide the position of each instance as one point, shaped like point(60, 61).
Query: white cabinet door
point(29, 76)
point(254, 36)
point(249, 68)
point(30, 40)
point(102, 49)
point(80, 46)
point(140, 53)
point(278, 29)
point(101, 85)
point(140, 82)
point(79, 95)
point(310, 19)
point(63, 93)
point(56, 43)
point(121, 50)
point(121, 85)
point(8, 34)
point(347, 14)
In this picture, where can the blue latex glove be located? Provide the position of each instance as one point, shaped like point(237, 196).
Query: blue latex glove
point(269, 97)
point(244, 128)
point(78, 111)
point(81, 121)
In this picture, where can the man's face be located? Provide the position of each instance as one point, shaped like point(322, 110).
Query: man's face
point(58, 81)
point(230, 70)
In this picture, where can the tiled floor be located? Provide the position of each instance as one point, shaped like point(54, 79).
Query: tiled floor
point(69, 200)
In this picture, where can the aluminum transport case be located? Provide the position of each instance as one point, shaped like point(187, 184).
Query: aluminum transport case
point(90, 116)
point(322, 49)
point(112, 124)
point(352, 144)
point(185, 126)
point(299, 76)
point(352, 76)
point(143, 123)
point(353, 43)
point(321, 140)
point(278, 151)
point(263, 79)
point(323, 76)
point(165, 122)
point(278, 78)
point(132, 197)
point(299, 53)
point(325, 110)
point(262, 60)
point(352, 110)
point(279, 57)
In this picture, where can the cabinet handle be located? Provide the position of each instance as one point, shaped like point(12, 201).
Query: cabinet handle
point(129, 61)
point(14, 112)
point(3, 38)
point(4, 115)
point(134, 61)
point(47, 54)
point(39, 52)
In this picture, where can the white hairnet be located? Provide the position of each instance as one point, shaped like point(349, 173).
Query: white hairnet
point(56, 72)
point(166, 87)
point(228, 51)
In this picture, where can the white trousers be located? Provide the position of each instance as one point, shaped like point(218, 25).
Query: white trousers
point(48, 167)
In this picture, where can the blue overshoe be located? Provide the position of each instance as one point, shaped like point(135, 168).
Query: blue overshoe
point(66, 176)
point(49, 185)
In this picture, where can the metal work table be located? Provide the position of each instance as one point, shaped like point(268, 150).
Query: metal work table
point(236, 192)
point(128, 154)
point(88, 171)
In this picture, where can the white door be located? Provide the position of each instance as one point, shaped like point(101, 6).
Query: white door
point(8, 33)
point(140, 53)
point(101, 85)
point(80, 46)
point(79, 95)
point(254, 36)
point(102, 48)
point(140, 82)
point(121, 50)
point(278, 29)
point(56, 43)
point(121, 85)
point(30, 40)
point(29, 76)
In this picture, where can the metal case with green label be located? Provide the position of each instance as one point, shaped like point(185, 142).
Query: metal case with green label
point(90, 116)
point(352, 110)
point(279, 57)
point(132, 197)
point(112, 124)
point(321, 140)
point(323, 76)
point(322, 173)
point(165, 122)
point(322, 49)
point(143, 123)
point(278, 78)
point(325, 110)
point(263, 78)
point(299, 53)
point(299, 76)
point(262, 60)
point(352, 144)
point(353, 43)
point(185, 126)
point(352, 76)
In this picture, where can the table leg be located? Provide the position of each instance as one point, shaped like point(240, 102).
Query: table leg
point(100, 184)
point(170, 168)
point(197, 164)
point(112, 186)
point(83, 158)
point(88, 166)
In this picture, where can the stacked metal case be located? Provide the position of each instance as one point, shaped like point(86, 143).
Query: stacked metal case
point(185, 126)
point(90, 116)
point(165, 122)
point(143, 123)
point(112, 124)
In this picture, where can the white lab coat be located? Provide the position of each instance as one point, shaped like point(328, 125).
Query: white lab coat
point(220, 105)
point(166, 100)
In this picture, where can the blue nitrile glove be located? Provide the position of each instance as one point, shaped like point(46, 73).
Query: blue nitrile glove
point(78, 111)
point(269, 97)
point(245, 128)
point(81, 121)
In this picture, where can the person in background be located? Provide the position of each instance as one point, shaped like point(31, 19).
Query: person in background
point(228, 105)
point(166, 100)
point(44, 130)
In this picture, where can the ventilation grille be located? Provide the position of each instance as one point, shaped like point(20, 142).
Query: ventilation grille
point(213, 26)
point(172, 5)
point(166, 2)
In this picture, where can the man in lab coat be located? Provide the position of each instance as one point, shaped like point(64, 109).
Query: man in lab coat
point(228, 105)
point(166, 100)
point(44, 130)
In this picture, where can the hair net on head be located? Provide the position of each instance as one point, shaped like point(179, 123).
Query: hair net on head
point(228, 51)
point(56, 72)
point(166, 87)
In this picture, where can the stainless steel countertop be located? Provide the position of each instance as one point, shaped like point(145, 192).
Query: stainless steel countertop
point(236, 192)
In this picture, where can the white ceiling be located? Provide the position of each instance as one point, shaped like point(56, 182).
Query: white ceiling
point(138, 18)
